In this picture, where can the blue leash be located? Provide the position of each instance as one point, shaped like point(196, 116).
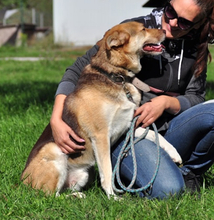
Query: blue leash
point(129, 145)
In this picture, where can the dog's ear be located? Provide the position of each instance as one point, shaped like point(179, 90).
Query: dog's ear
point(99, 43)
point(117, 39)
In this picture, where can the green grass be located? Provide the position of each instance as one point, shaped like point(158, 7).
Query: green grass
point(27, 94)
point(210, 77)
point(44, 48)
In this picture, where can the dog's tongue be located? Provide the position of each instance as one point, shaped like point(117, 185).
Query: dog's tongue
point(153, 47)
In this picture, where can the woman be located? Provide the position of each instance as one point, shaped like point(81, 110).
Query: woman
point(177, 82)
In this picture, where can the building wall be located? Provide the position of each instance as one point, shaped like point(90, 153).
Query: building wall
point(84, 22)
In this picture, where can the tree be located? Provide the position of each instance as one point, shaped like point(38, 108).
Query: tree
point(12, 3)
point(40, 5)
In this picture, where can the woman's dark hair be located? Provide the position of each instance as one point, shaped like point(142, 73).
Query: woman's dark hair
point(206, 36)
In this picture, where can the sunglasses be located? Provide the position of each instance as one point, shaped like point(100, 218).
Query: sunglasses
point(183, 23)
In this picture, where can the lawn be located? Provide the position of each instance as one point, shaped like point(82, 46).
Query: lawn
point(27, 94)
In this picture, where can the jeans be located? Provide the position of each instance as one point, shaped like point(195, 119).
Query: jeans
point(169, 180)
point(192, 134)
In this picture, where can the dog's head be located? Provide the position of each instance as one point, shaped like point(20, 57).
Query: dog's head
point(126, 43)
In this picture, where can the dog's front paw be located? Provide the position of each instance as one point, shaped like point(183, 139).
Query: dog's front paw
point(115, 197)
point(175, 155)
point(78, 195)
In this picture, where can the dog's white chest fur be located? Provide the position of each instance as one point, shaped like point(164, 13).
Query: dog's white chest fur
point(121, 121)
point(120, 115)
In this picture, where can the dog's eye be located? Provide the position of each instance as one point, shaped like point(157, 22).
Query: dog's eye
point(143, 29)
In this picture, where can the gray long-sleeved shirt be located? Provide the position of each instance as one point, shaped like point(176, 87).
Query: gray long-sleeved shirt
point(168, 73)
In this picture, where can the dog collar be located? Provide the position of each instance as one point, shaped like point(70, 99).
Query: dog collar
point(115, 77)
point(122, 80)
point(118, 79)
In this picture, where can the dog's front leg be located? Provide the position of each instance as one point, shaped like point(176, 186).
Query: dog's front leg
point(101, 146)
point(163, 144)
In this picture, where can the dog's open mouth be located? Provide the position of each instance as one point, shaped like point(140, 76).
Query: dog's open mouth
point(153, 47)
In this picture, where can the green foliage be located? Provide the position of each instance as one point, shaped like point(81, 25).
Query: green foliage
point(25, 13)
point(23, 40)
point(210, 76)
point(27, 94)
point(38, 4)
point(11, 3)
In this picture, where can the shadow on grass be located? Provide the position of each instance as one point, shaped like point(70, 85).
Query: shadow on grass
point(210, 90)
point(210, 85)
point(208, 177)
point(17, 98)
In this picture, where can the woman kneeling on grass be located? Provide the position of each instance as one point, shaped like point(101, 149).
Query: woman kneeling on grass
point(177, 82)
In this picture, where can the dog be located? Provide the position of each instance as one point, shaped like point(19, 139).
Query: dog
point(100, 110)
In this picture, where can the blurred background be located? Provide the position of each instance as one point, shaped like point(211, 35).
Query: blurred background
point(68, 22)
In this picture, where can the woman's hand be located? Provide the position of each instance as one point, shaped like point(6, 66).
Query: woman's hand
point(151, 111)
point(63, 135)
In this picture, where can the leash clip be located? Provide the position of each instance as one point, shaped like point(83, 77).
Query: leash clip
point(118, 78)
point(128, 94)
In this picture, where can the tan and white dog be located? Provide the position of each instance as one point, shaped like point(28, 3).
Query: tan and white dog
point(100, 110)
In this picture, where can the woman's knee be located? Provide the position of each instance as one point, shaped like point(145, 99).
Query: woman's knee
point(165, 187)
point(168, 180)
point(173, 186)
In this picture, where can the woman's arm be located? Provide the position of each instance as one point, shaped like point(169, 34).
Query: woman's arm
point(195, 92)
point(73, 72)
point(61, 131)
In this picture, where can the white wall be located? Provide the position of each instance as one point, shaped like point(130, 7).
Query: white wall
point(83, 22)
